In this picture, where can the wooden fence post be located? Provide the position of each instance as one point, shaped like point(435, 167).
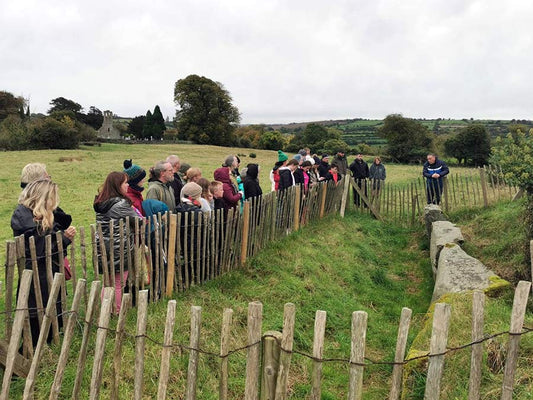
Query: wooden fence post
point(357, 356)
point(269, 375)
point(16, 331)
point(9, 276)
point(476, 360)
point(439, 339)
point(91, 305)
point(324, 187)
point(140, 340)
point(401, 344)
point(171, 259)
point(517, 320)
point(194, 344)
point(165, 353)
point(318, 350)
point(286, 351)
point(67, 340)
point(125, 305)
point(43, 334)
point(483, 178)
point(255, 320)
point(99, 348)
point(345, 195)
point(224, 348)
point(297, 203)
point(245, 232)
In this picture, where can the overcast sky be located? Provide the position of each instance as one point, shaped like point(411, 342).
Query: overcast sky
point(282, 61)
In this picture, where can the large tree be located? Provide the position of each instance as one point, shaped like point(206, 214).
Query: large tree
point(158, 122)
point(10, 104)
point(135, 127)
point(94, 118)
point(206, 113)
point(62, 104)
point(471, 145)
point(407, 139)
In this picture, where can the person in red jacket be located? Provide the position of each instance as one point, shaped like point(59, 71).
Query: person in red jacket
point(231, 194)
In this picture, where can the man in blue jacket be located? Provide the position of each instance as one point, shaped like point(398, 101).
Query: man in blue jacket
point(434, 171)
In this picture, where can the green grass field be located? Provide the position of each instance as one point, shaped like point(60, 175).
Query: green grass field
point(337, 265)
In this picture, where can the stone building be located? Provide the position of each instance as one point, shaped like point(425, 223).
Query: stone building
point(107, 130)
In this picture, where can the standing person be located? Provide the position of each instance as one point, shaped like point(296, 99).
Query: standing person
point(306, 167)
point(231, 194)
point(434, 171)
point(377, 175)
point(190, 209)
point(34, 216)
point(217, 190)
point(161, 174)
point(340, 162)
point(314, 176)
point(34, 172)
point(112, 204)
point(177, 183)
point(274, 173)
point(323, 167)
point(298, 172)
point(136, 177)
point(251, 182)
point(286, 175)
point(193, 174)
point(360, 173)
point(206, 198)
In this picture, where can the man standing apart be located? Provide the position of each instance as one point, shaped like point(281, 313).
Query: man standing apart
point(340, 162)
point(434, 171)
point(177, 184)
point(360, 173)
point(161, 174)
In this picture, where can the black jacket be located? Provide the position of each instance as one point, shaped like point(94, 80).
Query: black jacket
point(116, 209)
point(286, 178)
point(359, 169)
point(251, 183)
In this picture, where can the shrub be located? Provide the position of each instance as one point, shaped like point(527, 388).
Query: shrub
point(252, 155)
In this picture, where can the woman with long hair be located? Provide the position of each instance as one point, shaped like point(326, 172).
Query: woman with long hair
point(112, 204)
point(34, 216)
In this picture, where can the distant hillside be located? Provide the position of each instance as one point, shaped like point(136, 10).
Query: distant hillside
point(359, 130)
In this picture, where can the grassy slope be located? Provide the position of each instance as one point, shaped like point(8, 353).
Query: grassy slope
point(339, 266)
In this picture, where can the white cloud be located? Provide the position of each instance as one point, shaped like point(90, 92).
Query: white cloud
point(281, 61)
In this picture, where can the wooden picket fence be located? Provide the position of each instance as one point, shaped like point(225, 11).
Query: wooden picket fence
point(268, 354)
point(405, 202)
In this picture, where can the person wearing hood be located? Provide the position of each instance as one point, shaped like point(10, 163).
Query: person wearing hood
point(113, 205)
point(286, 175)
point(323, 167)
point(251, 182)
point(231, 194)
point(34, 217)
point(136, 177)
point(274, 173)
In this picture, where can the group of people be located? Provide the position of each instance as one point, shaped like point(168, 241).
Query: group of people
point(180, 189)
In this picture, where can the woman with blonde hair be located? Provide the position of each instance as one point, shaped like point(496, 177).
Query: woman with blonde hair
point(34, 216)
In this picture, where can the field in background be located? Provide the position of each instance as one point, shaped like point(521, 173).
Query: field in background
point(80, 172)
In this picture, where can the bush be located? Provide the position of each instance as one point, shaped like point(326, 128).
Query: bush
point(49, 133)
point(252, 155)
point(13, 134)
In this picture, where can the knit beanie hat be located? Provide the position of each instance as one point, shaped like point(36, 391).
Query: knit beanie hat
point(134, 172)
point(192, 190)
point(282, 156)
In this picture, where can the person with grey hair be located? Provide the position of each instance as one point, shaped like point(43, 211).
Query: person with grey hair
point(161, 174)
point(178, 182)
